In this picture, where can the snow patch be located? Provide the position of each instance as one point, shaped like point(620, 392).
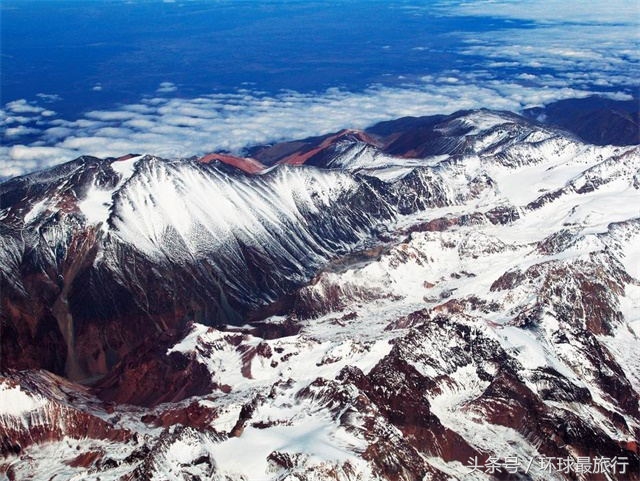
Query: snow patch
point(16, 402)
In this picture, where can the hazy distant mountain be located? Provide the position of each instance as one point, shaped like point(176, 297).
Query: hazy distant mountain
point(595, 120)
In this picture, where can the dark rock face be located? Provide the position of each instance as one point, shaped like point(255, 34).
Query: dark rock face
point(595, 120)
point(148, 376)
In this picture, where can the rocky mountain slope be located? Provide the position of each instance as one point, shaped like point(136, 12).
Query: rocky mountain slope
point(396, 304)
point(596, 120)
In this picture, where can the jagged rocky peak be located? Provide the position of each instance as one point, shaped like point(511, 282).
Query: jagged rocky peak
point(377, 305)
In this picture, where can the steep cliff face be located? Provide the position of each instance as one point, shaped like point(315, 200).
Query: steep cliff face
point(388, 305)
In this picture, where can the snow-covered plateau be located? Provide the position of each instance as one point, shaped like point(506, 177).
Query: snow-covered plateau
point(380, 305)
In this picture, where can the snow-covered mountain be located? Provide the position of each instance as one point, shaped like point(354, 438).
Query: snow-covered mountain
point(369, 305)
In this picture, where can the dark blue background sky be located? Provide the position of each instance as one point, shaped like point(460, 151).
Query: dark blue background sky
point(68, 47)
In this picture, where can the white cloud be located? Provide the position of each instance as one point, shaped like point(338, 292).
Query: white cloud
point(49, 97)
point(582, 56)
point(185, 127)
point(550, 11)
point(6, 119)
point(166, 87)
point(109, 115)
point(20, 131)
point(19, 159)
point(140, 108)
point(54, 133)
point(21, 106)
point(139, 124)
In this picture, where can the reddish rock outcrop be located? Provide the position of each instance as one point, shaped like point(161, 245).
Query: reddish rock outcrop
point(149, 376)
point(248, 165)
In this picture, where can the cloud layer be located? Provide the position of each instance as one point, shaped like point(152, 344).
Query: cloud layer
point(177, 127)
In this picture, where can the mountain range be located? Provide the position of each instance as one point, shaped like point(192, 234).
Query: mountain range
point(386, 304)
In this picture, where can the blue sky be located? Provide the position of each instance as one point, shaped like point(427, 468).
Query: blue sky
point(183, 78)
